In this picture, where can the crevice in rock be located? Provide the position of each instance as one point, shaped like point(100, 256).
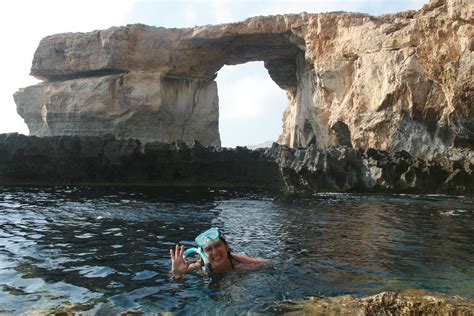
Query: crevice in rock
point(195, 102)
point(81, 75)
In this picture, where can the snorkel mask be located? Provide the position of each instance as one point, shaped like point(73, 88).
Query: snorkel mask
point(201, 241)
point(211, 234)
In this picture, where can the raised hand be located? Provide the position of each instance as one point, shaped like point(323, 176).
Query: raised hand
point(179, 263)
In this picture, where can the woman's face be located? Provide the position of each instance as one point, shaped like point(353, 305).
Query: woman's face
point(216, 252)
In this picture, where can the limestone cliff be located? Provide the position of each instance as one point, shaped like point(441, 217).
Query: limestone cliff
point(136, 104)
point(394, 82)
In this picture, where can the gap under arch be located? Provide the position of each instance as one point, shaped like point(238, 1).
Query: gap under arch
point(251, 105)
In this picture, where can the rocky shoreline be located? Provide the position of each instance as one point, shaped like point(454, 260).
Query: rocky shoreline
point(407, 302)
point(105, 160)
point(345, 169)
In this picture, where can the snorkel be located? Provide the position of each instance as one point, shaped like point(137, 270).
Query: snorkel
point(201, 240)
point(202, 254)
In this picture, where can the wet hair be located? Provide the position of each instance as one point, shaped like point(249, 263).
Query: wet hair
point(229, 254)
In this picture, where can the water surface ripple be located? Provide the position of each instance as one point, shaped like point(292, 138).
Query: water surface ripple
point(106, 250)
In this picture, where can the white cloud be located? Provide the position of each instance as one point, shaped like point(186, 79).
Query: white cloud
point(223, 13)
point(190, 14)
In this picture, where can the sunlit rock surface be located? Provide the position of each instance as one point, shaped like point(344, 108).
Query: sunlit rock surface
point(394, 82)
point(408, 302)
point(138, 104)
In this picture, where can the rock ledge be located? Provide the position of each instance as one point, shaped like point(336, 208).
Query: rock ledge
point(408, 302)
point(105, 160)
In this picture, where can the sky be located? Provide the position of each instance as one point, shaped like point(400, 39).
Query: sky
point(251, 105)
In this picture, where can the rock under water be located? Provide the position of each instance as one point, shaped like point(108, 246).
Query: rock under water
point(394, 82)
point(408, 302)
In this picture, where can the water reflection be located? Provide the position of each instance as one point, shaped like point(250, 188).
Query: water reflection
point(383, 243)
point(108, 249)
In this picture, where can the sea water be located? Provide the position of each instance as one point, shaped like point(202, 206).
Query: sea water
point(106, 250)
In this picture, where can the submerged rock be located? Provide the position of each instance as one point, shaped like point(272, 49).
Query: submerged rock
point(408, 302)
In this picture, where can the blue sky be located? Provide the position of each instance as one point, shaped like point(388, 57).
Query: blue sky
point(251, 105)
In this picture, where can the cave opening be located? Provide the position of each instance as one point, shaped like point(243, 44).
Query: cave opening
point(251, 106)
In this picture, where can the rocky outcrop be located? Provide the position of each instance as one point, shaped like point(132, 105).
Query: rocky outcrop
point(149, 83)
point(408, 302)
point(394, 82)
point(106, 160)
point(344, 169)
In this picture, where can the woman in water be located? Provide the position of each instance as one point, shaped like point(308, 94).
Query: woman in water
point(214, 252)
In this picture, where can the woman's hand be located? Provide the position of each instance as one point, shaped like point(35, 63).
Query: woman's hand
point(179, 263)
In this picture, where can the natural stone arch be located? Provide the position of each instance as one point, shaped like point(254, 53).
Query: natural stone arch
point(145, 82)
point(394, 82)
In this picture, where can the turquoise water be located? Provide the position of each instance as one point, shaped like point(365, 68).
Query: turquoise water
point(106, 250)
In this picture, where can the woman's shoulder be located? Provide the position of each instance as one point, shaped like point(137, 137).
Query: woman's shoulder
point(243, 259)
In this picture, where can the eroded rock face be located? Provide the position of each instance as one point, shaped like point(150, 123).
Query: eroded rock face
point(141, 105)
point(345, 169)
point(395, 82)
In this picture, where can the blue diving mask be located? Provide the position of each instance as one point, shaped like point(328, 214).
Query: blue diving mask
point(211, 234)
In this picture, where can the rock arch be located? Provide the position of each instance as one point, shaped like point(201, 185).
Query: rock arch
point(145, 82)
point(401, 81)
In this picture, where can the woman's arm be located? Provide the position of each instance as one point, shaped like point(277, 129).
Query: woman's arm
point(248, 260)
